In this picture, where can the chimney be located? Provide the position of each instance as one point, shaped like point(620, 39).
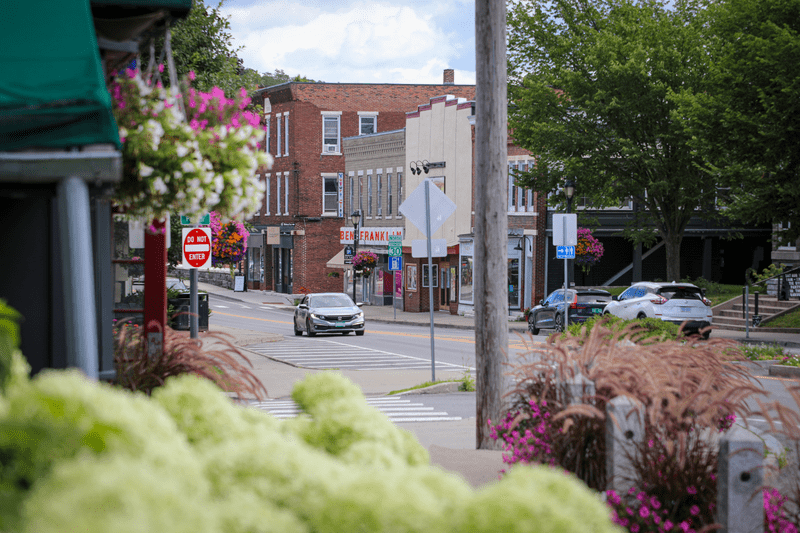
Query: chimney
point(449, 76)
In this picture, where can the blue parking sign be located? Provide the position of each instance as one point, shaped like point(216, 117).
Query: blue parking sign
point(395, 263)
point(565, 252)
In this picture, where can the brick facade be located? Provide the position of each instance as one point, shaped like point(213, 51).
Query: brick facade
point(315, 235)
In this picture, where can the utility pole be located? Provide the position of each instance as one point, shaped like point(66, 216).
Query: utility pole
point(491, 214)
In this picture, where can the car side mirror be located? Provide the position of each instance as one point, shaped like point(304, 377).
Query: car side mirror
point(541, 302)
point(615, 298)
point(302, 306)
point(359, 304)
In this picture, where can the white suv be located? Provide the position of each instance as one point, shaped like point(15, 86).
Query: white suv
point(673, 302)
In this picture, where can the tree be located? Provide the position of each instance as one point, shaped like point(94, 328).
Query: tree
point(592, 93)
point(746, 125)
point(202, 43)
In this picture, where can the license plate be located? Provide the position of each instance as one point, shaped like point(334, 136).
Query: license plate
point(686, 309)
point(597, 311)
point(340, 324)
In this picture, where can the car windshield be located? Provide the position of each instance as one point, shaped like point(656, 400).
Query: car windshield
point(681, 293)
point(588, 298)
point(331, 300)
point(176, 284)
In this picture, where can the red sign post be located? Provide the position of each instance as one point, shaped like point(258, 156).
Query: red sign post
point(197, 247)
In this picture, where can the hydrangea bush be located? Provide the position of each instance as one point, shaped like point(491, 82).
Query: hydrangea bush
point(83, 456)
point(187, 153)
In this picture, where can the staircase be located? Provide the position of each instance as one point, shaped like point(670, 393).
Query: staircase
point(729, 315)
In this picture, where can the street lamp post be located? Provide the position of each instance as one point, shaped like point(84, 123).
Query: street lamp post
point(356, 218)
point(569, 192)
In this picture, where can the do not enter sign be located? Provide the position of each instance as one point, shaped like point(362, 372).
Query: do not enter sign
point(197, 248)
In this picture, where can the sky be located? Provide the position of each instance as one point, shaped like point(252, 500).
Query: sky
point(356, 41)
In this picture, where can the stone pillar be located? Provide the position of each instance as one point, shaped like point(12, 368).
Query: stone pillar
point(740, 504)
point(624, 432)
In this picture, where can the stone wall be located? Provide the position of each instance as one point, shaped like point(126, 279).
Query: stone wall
point(220, 277)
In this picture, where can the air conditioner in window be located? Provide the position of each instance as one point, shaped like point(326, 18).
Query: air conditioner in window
point(331, 148)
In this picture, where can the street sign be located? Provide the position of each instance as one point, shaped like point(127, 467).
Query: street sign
point(419, 248)
point(395, 263)
point(196, 248)
point(441, 207)
point(395, 246)
point(348, 255)
point(565, 252)
point(205, 220)
point(565, 229)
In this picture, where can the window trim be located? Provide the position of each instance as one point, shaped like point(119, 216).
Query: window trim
point(389, 193)
point(267, 192)
point(399, 190)
point(266, 132)
point(286, 193)
point(335, 178)
point(351, 186)
point(369, 194)
point(367, 115)
point(278, 134)
point(286, 134)
point(278, 193)
point(338, 146)
point(379, 178)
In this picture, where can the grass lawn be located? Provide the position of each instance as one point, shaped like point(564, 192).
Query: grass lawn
point(790, 320)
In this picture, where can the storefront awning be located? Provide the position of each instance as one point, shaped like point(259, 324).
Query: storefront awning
point(52, 90)
point(337, 261)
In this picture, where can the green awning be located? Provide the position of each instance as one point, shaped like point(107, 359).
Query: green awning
point(52, 90)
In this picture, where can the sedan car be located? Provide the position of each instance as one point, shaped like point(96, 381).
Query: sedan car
point(328, 312)
point(680, 303)
point(583, 304)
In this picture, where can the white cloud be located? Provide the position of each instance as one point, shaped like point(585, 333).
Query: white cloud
point(407, 41)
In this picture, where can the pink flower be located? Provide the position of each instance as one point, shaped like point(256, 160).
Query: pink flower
point(192, 75)
point(691, 489)
point(695, 510)
point(644, 512)
point(161, 67)
point(667, 525)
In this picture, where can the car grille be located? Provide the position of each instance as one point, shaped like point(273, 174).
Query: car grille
point(336, 318)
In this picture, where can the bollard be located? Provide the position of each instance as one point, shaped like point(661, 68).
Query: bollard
point(579, 387)
point(740, 505)
point(624, 432)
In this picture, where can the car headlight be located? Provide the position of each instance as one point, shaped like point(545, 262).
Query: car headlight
point(359, 315)
point(313, 315)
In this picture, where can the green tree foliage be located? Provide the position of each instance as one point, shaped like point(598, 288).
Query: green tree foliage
point(746, 125)
point(592, 88)
point(202, 43)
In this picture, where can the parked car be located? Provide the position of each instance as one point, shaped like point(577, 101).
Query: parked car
point(680, 303)
point(328, 312)
point(583, 304)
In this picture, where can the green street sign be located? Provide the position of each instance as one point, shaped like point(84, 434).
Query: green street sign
point(395, 251)
point(205, 220)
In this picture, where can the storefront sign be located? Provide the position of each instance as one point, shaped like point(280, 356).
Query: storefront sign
point(375, 236)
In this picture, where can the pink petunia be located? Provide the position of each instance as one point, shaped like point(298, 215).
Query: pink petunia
point(192, 75)
point(161, 67)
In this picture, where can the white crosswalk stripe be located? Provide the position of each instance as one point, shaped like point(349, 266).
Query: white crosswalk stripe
point(326, 354)
point(396, 408)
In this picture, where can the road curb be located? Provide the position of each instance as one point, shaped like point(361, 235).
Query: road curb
point(439, 388)
point(783, 371)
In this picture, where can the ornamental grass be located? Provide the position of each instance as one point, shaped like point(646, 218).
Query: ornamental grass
point(689, 390)
point(215, 358)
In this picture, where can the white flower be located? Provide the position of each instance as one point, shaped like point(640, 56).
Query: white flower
point(159, 186)
point(181, 150)
point(144, 170)
point(187, 167)
point(219, 184)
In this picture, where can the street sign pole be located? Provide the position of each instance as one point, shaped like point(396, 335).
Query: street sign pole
point(430, 271)
point(193, 307)
point(566, 279)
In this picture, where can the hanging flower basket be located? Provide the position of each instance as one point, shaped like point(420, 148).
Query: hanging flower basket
point(589, 250)
point(364, 263)
point(192, 163)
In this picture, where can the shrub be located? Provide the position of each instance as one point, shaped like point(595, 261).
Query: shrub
point(641, 330)
point(96, 458)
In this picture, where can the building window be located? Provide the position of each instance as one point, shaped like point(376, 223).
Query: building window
point(266, 192)
point(330, 133)
point(286, 134)
point(465, 289)
point(277, 194)
point(369, 195)
point(266, 133)
point(399, 191)
point(379, 177)
point(330, 195)
point(388, 195)
point(360, 191)
point(512, 189)
point(351, 205)
point(278, 137)
point(285, 193)
point(367, 123)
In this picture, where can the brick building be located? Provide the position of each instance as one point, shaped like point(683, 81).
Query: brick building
point(304, 208)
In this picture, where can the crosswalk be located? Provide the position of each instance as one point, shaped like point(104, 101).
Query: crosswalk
point(328, 354)
point(396, 408)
